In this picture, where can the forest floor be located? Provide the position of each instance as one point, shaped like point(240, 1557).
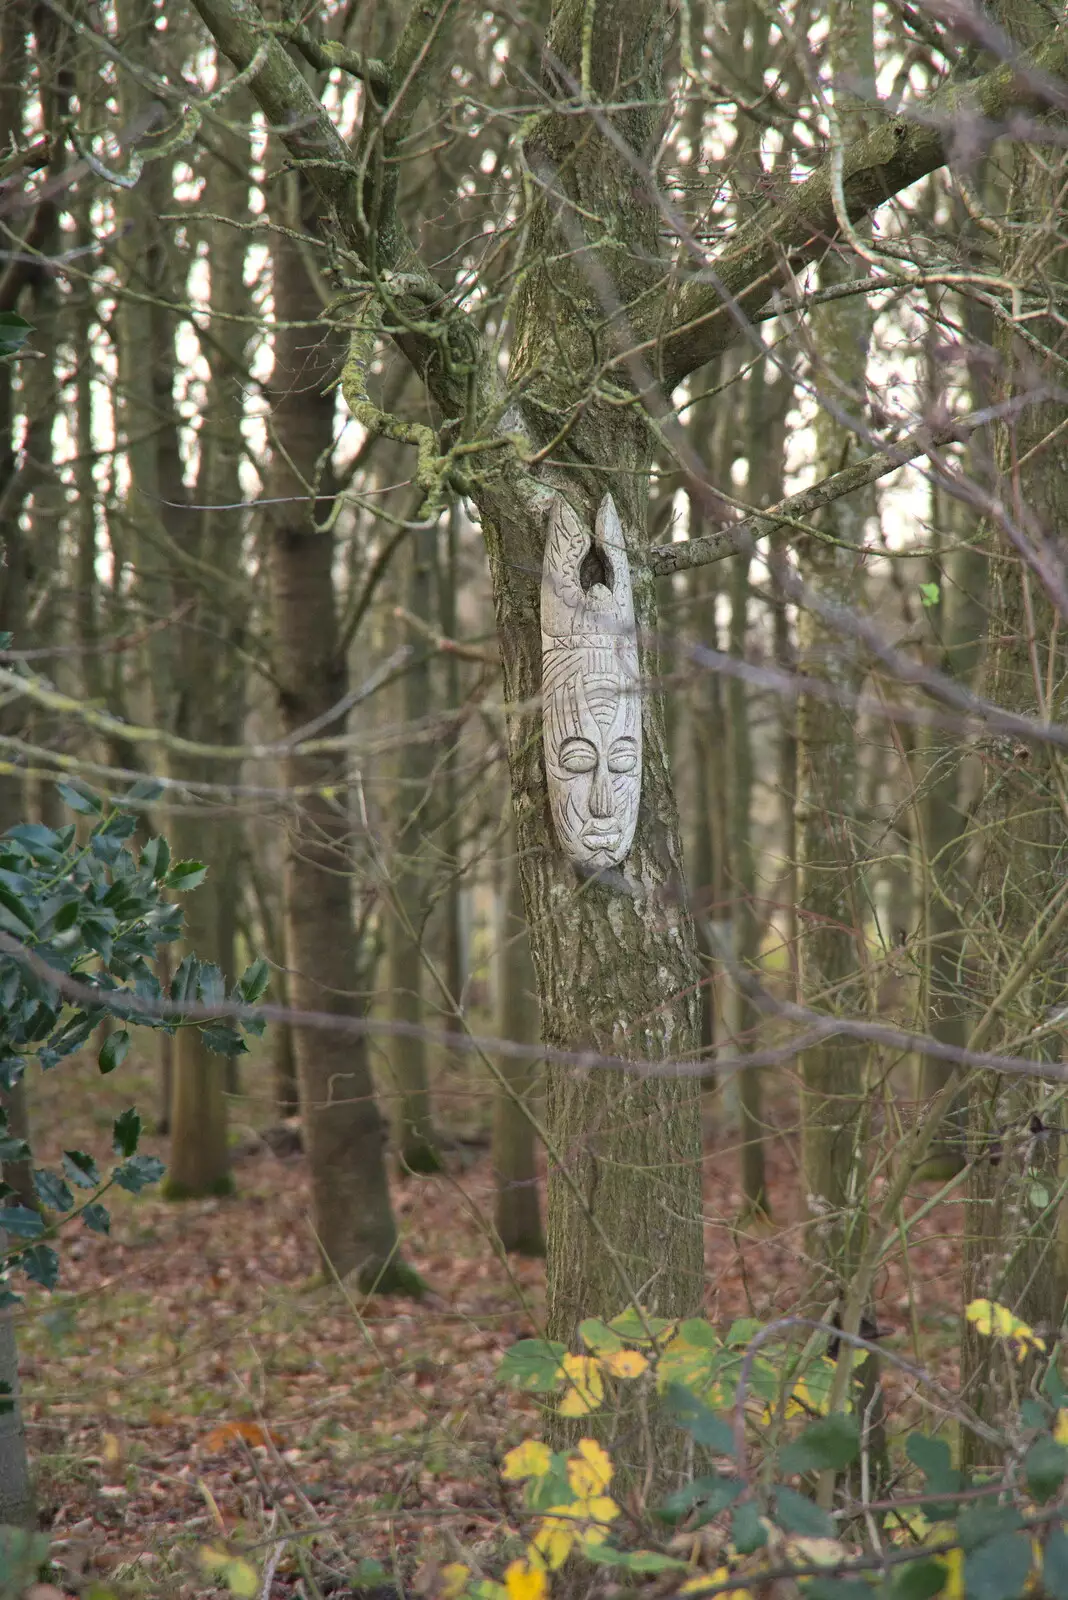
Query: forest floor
point(186, 1386)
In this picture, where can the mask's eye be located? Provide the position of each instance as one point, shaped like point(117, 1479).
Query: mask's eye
point(623, 756)
point(578, 755)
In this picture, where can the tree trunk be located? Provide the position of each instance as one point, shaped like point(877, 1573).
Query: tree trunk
point(209, 688)
point(615, 958)
point(744, 922)
point(833, 931)
point(417, 1143)
point(958, 621)
point(344, 1134)
point(515, 1165)
point(1014, 1192)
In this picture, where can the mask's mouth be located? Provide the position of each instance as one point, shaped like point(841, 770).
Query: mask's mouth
point(602, 836)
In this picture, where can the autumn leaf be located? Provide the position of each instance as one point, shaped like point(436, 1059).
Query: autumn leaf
point(625, 1363)
point(585, 1385)
point(228, 1433)
point(531, 1459)
point(455, 1575)
point(525, 1580)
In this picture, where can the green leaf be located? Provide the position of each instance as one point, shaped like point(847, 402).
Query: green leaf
point(51, 1190)
point(930, 594)
point(223, 1040)
point(998, 1569)
point(637, 1329)
point(797, 1514)
point(186, 875)
point(19, 910)
point(1053, 1387)
point(137, 1173)
point(700, 1334)
point(553, 1488)
point(21, 1222)
point(935, 1462)
point(253, 982)
point(831, 1443)
point(41, 1265)
point(113, 1050)
point(184, 982)
point(740, 1332)
point(368, 1574)
point(534, 1364)
point(1055, 1565)
point(14, 332)
point(978, 1525)
point(126, 1132)
point(699, 1420)
point(920, 1580)
point(145, 789)
point(83, 801)
point(599, 1337)
point(839, 1589)
point(711, 1494)
point(156, 858)
point(748, 1532)
point(1046, 1467)
point(81, 1169)
point(96, 1217)
point(606, 1555)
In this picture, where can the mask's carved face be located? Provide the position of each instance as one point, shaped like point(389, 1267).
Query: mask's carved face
point(591, 707)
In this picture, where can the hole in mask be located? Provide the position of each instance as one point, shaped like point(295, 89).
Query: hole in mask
point(595, 568)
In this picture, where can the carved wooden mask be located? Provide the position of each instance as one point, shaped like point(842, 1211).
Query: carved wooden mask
point(591, 705)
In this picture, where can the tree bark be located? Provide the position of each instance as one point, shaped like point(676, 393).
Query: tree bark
point(833, 931)
point(417, 1142)
point(1014, 1190)
point(344, 1134)
point(517, 1211)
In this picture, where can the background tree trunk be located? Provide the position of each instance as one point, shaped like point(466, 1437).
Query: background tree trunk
point(344, 1133)
point(1014, 1192)
point(517, 1210)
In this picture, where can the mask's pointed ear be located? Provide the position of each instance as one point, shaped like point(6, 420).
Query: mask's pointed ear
point(609, 528)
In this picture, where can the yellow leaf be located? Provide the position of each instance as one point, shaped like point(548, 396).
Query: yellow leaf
point(585, 1385)
point(600, 1509)
point(553, 1540)
point(590, 1471)
point(1060, 1427)
point(455, 1575)
point(531, 1459)
point(709, 1580)
point(953, 1562)
point(998, 1322)
point(241, 1579)
point(626, 1363)
point(524, 1580)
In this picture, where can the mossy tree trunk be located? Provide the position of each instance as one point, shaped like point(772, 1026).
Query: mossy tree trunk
point(616, 959)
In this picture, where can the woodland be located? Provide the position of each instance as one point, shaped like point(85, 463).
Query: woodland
point(533, 799)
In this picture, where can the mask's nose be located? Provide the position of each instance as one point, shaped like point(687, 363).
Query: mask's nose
point(601, 792)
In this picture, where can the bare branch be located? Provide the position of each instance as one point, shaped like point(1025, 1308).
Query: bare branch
point(664, 559)
point(714, 306)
